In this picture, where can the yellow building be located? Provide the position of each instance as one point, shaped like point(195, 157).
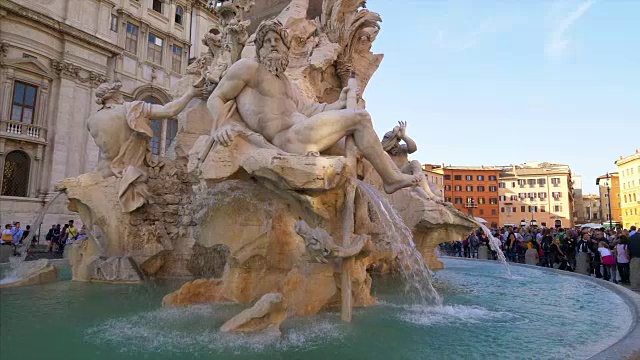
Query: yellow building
point(629, 171)
point(537, 193)
point(609, 185)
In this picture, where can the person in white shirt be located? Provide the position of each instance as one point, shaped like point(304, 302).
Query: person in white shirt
point(608, 260)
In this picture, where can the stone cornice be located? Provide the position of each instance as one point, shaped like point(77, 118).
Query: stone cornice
point(77, 73)
point(59, 26)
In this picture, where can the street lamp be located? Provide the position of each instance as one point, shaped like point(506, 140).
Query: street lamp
point(608, 185)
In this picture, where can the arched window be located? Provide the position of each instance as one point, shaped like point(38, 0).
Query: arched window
point(15, 178)
point(179, 13)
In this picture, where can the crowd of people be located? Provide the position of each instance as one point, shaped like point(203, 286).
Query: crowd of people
point(608, 251)
point(56, 238)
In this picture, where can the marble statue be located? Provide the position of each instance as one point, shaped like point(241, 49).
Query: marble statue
point(262, 95)
point(321, 247)
point(399, 153)
point(122, 132)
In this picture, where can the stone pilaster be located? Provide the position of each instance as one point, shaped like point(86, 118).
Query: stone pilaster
point(7, 81)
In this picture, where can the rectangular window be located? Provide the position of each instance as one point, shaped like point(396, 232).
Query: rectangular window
point(543, 209)
point(532, 195)
point(531, 182)
point(480, 188)
point(447, 187)
point(482, 201)
point(493, 211)
point(447, 199)
point(469, 177)
point(114, 23)
point(157, 6)
point(154, 51)
point(501, 185)
point(447, 177)
point(555, 181)
point(502, 209)
point(493, 201)
point(480, 177)
point(172, 131)
point(458, 187)
point(557, 208)
point(542, 195)
point(24, 102)
point(522, 182)
point(542, 182)
point(515, 209)
point(469, 200)
point(457, 177)
point(493, 188)
point(514, 197)
point(458, 200)
point(492, 178)
point(503, 198)
point(469, 188)
point(523, 208)
point(176, 64)
point(513, 184)
point(131, 41)
point(481, 212)
point(154, 143)
point(557, 195)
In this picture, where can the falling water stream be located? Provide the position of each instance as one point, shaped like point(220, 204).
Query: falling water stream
point(494, 244)
point(416, 273)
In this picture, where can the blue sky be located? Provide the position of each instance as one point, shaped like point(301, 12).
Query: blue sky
point(502, 82)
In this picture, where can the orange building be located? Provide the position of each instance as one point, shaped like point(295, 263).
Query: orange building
point(474, 190)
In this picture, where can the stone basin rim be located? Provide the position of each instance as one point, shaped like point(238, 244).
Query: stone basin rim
point(629, 344)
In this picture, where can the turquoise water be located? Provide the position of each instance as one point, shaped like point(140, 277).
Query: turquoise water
point(485, 315)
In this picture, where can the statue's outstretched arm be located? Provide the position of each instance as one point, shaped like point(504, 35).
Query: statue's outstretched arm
point(175, 107)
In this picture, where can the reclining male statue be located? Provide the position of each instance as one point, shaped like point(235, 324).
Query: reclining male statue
point(263, 97)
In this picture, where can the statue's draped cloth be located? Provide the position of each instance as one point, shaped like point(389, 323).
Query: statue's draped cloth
point(130, 164)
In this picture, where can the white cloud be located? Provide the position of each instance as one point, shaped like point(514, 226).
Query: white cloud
point(558, 40)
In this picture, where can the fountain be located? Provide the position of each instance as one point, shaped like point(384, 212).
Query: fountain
point(282, 230)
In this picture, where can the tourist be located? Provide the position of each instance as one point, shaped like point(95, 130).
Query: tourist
point(607, 259)
point(531, 257)
point(465, 246)
point(547, 240)
point(7, 235)
point(57, 234)
point(474, 244)
point(49, 237)
point(72, 233)
point(510, 246)
point(569, 248)
point(622, 258)
point(25, 234)
point(17, 232)
point(558, 255)
point(634, 263)
point(595, 258)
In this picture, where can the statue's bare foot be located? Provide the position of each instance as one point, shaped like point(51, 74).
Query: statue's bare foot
point(401, 182)
point(313, 154)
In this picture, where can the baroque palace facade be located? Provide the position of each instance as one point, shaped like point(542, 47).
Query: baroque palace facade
point(54, 54)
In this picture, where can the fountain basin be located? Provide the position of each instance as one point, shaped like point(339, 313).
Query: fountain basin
point(536, 314)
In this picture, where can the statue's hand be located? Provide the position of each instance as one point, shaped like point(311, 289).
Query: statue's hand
point(403, 128)
point(224, 136)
